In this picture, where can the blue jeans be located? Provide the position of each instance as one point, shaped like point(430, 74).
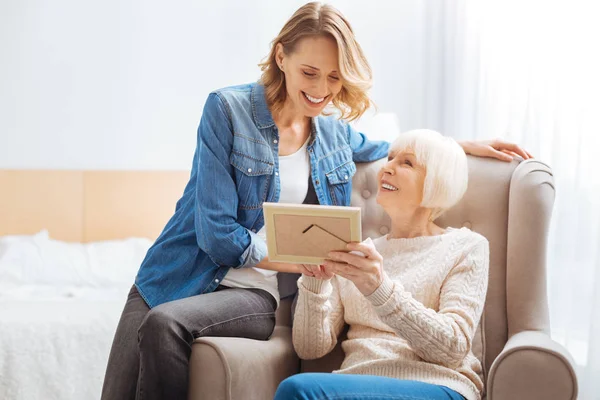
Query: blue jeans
point(319, 386)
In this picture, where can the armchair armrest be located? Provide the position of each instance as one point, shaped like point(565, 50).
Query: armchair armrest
point(532, 366)
point(227, 368)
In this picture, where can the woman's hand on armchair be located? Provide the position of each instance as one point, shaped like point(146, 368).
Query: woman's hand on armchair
point(500, 149)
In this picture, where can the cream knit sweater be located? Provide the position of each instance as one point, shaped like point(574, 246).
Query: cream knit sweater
point(418, 325)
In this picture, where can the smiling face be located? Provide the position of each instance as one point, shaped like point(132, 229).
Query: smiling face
point(401, 181)
point(311, 74)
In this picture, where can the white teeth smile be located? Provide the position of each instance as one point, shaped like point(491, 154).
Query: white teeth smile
point(388, 186)
point(314, 99)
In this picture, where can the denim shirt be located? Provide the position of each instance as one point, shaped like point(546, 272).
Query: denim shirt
point(234, 170)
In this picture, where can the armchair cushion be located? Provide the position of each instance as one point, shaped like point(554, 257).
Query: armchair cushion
point(226, 368)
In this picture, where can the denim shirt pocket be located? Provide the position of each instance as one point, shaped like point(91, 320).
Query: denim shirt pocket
point(252, 179)
point(340, 183)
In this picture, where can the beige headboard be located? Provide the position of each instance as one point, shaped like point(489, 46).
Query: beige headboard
point(85, 206)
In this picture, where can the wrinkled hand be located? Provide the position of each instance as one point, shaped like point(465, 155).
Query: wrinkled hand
point(365, 272)
point(316, 271)
point(497, 148)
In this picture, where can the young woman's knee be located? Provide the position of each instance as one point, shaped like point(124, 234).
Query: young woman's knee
point(158, 325)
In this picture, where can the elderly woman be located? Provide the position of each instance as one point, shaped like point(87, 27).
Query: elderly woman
point(413, 301)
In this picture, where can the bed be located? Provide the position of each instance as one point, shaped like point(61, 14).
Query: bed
point(70, 245)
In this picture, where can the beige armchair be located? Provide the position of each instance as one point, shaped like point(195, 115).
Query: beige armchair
point(511, 205)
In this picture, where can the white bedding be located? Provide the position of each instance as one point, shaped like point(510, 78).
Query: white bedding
point(59, 307)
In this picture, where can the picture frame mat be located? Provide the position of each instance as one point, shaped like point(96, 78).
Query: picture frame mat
point(285, 223)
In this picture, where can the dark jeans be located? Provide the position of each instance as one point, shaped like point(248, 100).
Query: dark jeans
point(150, 353)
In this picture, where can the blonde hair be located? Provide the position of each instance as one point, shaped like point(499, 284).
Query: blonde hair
point(446, 169)
point(317, 19)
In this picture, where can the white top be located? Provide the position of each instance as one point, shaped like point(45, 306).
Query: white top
point(418, 325)
point(294, 172)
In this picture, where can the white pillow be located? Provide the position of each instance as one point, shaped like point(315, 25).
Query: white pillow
point(20, 259)
point(38, 259)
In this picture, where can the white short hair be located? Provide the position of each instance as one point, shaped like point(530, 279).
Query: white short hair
point(445, 162)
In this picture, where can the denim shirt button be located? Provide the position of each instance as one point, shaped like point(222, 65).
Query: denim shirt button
point(276, 173)
point(249, 169)
point(345, 177)
point(216, 280)
point(317, 181)
point(275, 141)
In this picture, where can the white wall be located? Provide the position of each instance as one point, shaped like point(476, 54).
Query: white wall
point(120, 84)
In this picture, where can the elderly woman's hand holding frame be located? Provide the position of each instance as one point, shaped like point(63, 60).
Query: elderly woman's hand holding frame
point(366, 272)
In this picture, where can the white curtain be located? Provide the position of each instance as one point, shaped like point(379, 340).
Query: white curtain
point(529, 71)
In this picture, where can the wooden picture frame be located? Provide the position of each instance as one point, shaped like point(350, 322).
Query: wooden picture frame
point(304, 233)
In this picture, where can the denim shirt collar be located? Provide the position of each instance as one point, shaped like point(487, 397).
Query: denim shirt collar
point(260, 110)
point(263, 117)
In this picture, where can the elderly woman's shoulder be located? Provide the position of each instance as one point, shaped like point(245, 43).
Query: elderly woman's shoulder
point(469, 239)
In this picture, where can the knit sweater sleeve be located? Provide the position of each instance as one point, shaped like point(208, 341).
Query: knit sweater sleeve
point(443, 337)
point(319, 317)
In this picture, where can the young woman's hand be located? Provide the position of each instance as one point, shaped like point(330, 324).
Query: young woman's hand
point(284, 267)
point(365, 272)
point(316, 271)
point(504, 151)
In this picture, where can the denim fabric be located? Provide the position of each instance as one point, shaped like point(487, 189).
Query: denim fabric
point(234, 171)
point(319, 386)
point(149, 358)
